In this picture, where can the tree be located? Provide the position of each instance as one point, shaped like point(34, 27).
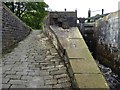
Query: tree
point(32, 13)
point(10, 5)
point(16, 7)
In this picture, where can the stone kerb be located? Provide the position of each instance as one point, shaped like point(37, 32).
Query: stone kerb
point(54, 39)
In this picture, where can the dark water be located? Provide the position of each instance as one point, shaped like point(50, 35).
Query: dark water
point(112, 78)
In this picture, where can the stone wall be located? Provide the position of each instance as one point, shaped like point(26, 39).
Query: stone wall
point(63, 19)
point(0, 29)
point(119, 27)
point(13, 29)
point(87, 31)
point(107, 36)
point(81, 66)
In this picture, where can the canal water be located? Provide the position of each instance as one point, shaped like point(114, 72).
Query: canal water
point(112, 79)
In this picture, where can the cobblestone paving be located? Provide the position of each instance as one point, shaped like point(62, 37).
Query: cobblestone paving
point(34, 64)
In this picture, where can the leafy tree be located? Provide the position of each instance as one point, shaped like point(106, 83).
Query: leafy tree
point(16, 7)
point(32, 13)
point(10, 5)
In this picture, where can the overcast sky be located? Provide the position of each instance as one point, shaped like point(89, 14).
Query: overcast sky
point(83, 6)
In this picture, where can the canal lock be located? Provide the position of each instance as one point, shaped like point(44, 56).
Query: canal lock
point(104, 58)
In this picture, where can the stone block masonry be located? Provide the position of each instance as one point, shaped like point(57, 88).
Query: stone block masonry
point(0, 29)
point(108, 39)
point(63, 19)
point(13, 29)
point(83, 70)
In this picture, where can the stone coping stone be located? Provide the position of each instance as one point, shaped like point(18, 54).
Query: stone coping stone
point(83, 66)
point(74, 53)
point(73, 32)
point(91, 81)
point(72, 43)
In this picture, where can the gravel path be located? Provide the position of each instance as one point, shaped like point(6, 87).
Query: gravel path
point(34, 63)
